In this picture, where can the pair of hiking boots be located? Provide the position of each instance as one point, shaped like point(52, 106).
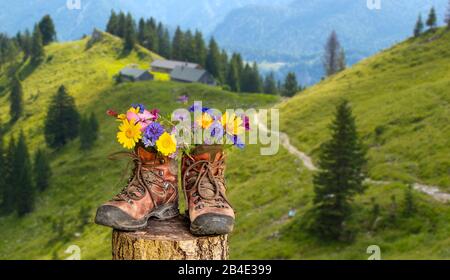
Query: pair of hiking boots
point(152, 192)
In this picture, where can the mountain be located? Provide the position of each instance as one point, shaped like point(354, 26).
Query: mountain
point(294, 35)
point(73, 23)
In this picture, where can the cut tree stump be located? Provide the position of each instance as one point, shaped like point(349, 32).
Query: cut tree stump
point(168, 240)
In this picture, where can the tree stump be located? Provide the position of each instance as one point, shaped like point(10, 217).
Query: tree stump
point(168, 240)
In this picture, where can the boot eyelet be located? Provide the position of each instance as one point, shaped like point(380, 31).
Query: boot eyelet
point(162, 161)
point(161, 173)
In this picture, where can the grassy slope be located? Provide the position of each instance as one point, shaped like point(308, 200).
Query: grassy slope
point(403, 93)
point(262, 189)
point(401, 101)
point(84, 180)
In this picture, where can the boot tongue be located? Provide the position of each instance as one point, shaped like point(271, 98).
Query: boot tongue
point(207, 189)
point(145, 155)
point(207, 152)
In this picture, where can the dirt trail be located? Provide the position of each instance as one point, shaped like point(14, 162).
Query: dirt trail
point(432, 191)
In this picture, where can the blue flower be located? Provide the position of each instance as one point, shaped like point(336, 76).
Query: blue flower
point(237, 141)
point(195, 107)
point(140, 106)
point(216, 129)
point(152, 133)
point(214, 134)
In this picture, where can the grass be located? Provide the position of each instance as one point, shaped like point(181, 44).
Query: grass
point(400, 98)
point(263, 189)
point(162, 77)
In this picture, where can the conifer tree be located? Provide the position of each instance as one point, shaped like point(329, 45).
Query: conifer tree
point(24, 189)
point(2, 169)
point(432, 19)
point(164, 42)
point(8, 49)
point(233, 75)
point(37, 48)
point(200, 48)
point(189, 47)
point(290, 87)
point(141, 31)
point(41, 169)
point(16, 99)
point(177, 45)
point(62, 121)
point(8, 203)
point(113, 23)
point(256, 82)
point(151, 36)
point(213, 59)
point(26, 44)
point(270, 84)
point(340, 175)
point(47, 28)
point(333, 59)
point(418, 29)
point(130, 33)
point(121, 25)
point(245, 78)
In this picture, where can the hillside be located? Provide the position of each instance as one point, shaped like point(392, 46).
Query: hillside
point(64, 213)
point(263, 189)
point(401, 100)
point(294, 34)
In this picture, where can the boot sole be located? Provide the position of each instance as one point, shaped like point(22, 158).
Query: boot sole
point(212, 224)
point(164, 212)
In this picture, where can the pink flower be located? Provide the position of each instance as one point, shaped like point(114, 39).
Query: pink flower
point(155, 113)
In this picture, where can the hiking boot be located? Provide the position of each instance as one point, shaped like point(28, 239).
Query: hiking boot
point(151, 192)
point(207, 206)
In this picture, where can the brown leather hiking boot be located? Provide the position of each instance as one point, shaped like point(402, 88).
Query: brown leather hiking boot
point(151, 192)
point(209, 211)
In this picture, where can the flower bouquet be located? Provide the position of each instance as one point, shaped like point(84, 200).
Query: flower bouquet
point(152, 190)
point(140, 127)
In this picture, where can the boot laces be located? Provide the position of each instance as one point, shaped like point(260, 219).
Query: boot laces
point(139, 183)
point(208, 188)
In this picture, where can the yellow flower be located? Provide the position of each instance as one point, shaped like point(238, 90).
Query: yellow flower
point(133, 110)
point(233, 124)
point(121, 117)
point(205, 120)
point(129, 134)
point(166, 144)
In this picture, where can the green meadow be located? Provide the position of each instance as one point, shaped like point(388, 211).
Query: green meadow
point(400, 98)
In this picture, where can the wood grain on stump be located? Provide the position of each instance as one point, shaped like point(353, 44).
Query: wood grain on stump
point(168, 240)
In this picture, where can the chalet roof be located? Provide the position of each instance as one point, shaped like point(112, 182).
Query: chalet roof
point(132, 72)
point(187, 74)
point(172, 64)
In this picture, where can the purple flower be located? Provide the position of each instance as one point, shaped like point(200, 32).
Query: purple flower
point(216, 129)
point(152, 133)
point(180, 116)
point(183, 99)
point(195, 107)
point(237, 141)
point(246, 122)
point(141, 107)
point(215, 135)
